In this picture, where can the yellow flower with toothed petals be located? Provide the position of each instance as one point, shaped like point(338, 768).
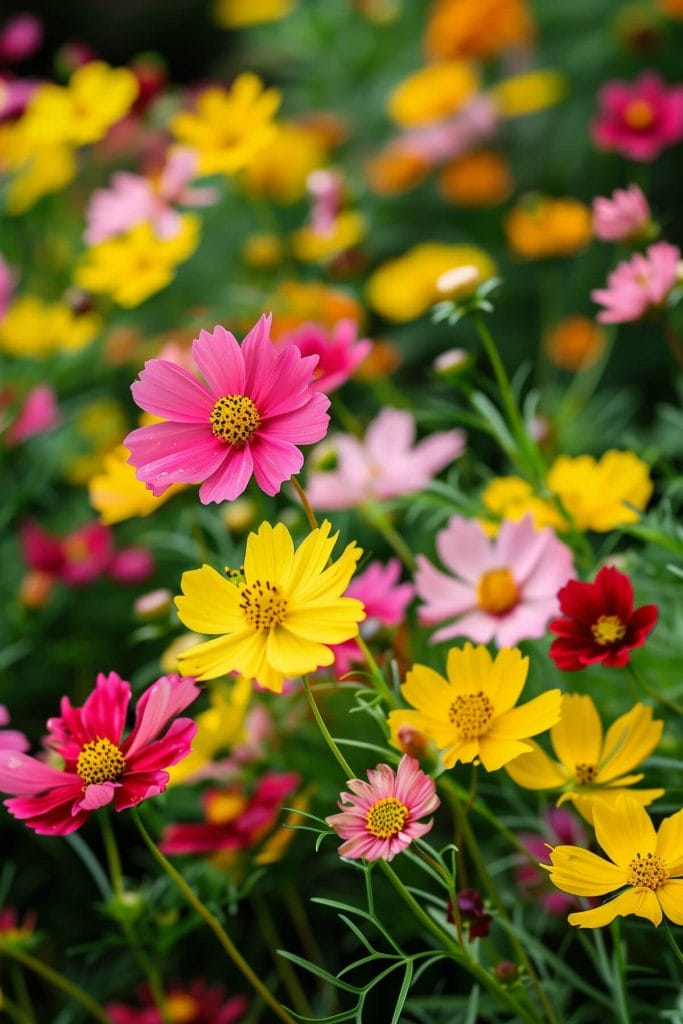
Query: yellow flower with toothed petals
point(597, 493)
point(219, 728)
point(471, 716)
point(277, 621)
point(117, 494)
point(591, 769)
point(646, 865)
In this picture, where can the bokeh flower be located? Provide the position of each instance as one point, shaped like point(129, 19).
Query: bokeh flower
point(37, 414)
point(433, 93)
point(380, 818)
point(574, 344)
point(639, 119)
point(100, 767)
point(624, 217)
point(599, 622)
point(560, 826)
point(639, 284)
point(647, 865)
point(540, 226)
point(477, 28)
point(471, 715)
point(76, 558)
point(592, 769)
point(257, 405)
point(479, 179)
point(196, 1002)
point(277, 620)
point(281, 167)
point(340, 351)
point(600, 494)
point(10, 739)
point(36, 329)
point(117, 494)
point(503, 589)
point(223, 726)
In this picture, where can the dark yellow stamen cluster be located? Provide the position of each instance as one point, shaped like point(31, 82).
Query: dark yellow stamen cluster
point(471, 715)
point(647, 872)
point(262, 604)
point(386, 817)
point(234, 418)
point(585, 773)
point(608, 629)
point(100, 761)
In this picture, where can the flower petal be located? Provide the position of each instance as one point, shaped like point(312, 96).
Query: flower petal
point(167, 390)
point(577, 737)
point(536, 770)
point(630, 739)
point(641, 902)
point(219, 357)
point(670, 896)
point(624, 830)
point(158, 705)
point(209, 602)
point(670, 842)
point(583, 873)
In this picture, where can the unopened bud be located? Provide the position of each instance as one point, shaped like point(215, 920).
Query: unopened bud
point(505, 972)
point(412, 742)
point(458, 281)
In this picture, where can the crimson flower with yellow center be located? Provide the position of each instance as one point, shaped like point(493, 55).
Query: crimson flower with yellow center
point(277, 618)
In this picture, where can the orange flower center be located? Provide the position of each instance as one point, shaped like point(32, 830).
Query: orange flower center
point(647, 871)
point(608, 629)
point(386, 817)
point(224, 807)
point(585, 773)
point(182, 1009)
point(234, 418)
point(262, 604)
point(471, 715)
point(639, 114)
point(497, 591)
point(100, 761)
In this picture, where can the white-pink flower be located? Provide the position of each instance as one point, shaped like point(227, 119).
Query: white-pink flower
point(638, 284)
point(386, 464)
point(624, 217)
point(340, 351)
point(503, 589)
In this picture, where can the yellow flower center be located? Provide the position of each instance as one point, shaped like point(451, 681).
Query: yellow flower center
point(386, 817)
point(471, 715)
point(638, 114)
point(262, 604)
point(497, 591)
point(100, 761)
point(585, 773)
point(607, 629)
point(647, 872)
point(234, 418)
point(182, 1009)
point(224, 807)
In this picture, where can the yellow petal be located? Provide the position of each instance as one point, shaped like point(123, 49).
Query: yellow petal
point(624, 830)
point(670, 896)
point(294, 656)
point(670, 842)
point(528, 719)
point(495, 752)
point(334, 580)
point(311, 557)
point(536, 770)
point(641, 902)
point(583, 873)
point(329, 623)
point(210, 604)
point(630, 739)
point(217, 657)
point(506, 678)
point(577, 737)
point(269, 554)
point(426, 689)
point(404, 717)
point(461, 750)
point(469, 669)
point(586, 800)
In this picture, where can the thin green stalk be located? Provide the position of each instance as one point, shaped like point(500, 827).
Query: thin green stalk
point(266, 926)
point(327, 736)
point(652, 692)
point(310, 514)
point(620, 965)
point(14, 1011)
point(64, 984)
point(672, 941)
point(212, 922)
point(22, 994)
point(380, 683)
point(377, 517)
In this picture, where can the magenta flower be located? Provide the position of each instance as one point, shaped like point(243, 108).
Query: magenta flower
point(638, 284)
point(131, 565)
point(503, 590)
point(10, 739)
point(195, 1003)
point(388, 463)
point(624, 217)
point(20, 37)
point(76, 559)
point(7, 276)
point(561, 827)
point(99, 766)
point(639, 119)
point(257, 405)
point(385, 601)
point(339, 352)
point(37, 414)
point(380, 817)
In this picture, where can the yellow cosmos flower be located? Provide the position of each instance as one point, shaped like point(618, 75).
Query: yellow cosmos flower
point(45, 170)
point(646, 865)
point(433, 93)
point(598, 493)
point(117, 494)
point(38, 329)
point(279, 170)
point(404, 288)
point(471, 715)
point(228, 128)
point(242, 13)
point(347, 229)
point(137, 264)
point(527, 93)
point(277, 621)
point(591, 768)
point(220, 728)
point(540, 226)
point(511, 497)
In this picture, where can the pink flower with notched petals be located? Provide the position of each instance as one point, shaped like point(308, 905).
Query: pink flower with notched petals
point(257, 405)
point(194, 1003)
point(10, 739)
point(638, 284)
point(386, 464)
point(503, 590)
point(639, 119)
point(624, 217)
point(380, 817)
point(339, 352)
point(100, 767)
point(77, 558)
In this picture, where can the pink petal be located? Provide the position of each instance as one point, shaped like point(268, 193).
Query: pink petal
point(231, 477)
point(158, 705)
point(444, 597)
point(96, 796)
point(22, 775)
point(162, 753)
point(220, 358)
point(139, 786)
point(305, 425)
point(464, 548)
point(168, 390)
point(477, 626)
point(170, 453)
point(274, 462)
point(104, 711)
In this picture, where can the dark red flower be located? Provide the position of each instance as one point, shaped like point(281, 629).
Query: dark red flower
point(472, 913)
point(600, 623)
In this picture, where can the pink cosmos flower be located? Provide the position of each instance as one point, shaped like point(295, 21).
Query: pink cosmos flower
point(561, 827)
point(257, 405)
point(20, 36)
point(380, 817)
point(133, 198)
point(38, 414)
point(388, 463)
point(76, 559)
point(503, 590)
point(638, 284)
point(325, 188)
point(15, 94)
point(10, 739)
point(624, 217)
point(12, 928)
point(385, 601)
point(195, 1003)
point(339, 351)
point(131, 565)
point(639, 119)
point(452, 137)
point(99, 766)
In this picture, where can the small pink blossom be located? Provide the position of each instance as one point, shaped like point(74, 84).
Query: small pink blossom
point(639, 119)
point(20, 37)
point(624, 217)
point(638, 284)
point(77, 558)
point(7, 279)
point(386, 464)
point(257, 405)
point(100, 767)
point(38, 414)
point(380, 817)
point(561, 828)
point(503, 589)
point(15, 94)
point(452, 137)
point(339, 352)
point(10, 739)
point(208, 1004)
point(131, 565)
point(325, 188)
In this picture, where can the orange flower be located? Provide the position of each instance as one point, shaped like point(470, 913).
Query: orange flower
point(296, 302)
point(476, 28)
point(540, 226)
point(480, 178)
point(395, 170)
point(574, 343)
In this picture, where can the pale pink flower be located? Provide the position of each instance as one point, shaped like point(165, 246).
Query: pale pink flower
point(380, 817)
point(386, 464)
point(639, 119)
point(340, 351)
point(325, 188)
point(624, 217)
point(385, 601)
point(10, 739)
point(100, 767)
point(257, 405)
point(638, 284)
point(15, 94)
point(451, 137)
point(503, 589)
point(37, 415)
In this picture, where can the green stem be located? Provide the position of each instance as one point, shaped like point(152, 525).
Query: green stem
point(327, 736)
point(652, 692)
point(377, 517)
point(14, 1011)
point(266, 926)
point(310, 514)
point(672, 941)
point(212, 922)
point(620, 965)
point(59, 981)
point(380, 683)
point(22, 995)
